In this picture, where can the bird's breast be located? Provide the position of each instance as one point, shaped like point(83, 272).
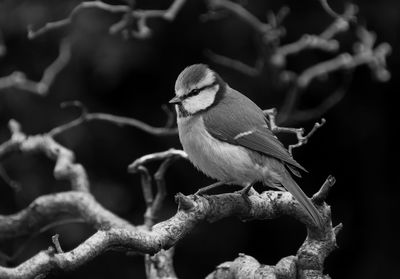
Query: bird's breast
point(217, 159)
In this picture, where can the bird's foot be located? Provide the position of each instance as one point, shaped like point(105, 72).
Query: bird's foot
point(246, 192)
point(205, 189)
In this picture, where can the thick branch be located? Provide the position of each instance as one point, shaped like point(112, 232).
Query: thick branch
point(65, 167)
point(248, 267)
point(117, 233)
point(48, 208)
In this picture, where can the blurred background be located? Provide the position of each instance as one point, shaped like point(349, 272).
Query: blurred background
point(134, 78)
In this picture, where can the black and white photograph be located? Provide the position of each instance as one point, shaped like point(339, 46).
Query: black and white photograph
point(216, 139)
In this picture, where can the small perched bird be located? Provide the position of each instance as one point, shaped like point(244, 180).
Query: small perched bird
point(227, 136)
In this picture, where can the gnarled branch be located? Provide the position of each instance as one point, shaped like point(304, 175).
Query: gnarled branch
point(267, 205)
point(20, 81)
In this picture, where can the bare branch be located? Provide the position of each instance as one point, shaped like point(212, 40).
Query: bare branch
point(332, 13)
point(48, 208)
point(8, 180)
point(57, 244)
point(161, 264)
point(341, 23)
point(33, 235)
point(114, 119)
point(65, 167)
point(323, 41)
point(117, 233)
point(32, 34)
point(375, 58)
point(323, 192)
point(140, 15)
point(299, 132)
point(241, 13)
point(146, 182)
point(302, 140)
point(161, 188)
point(133, 167)
point(20, 81)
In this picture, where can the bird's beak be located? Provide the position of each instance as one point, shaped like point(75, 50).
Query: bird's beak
point(175, 100)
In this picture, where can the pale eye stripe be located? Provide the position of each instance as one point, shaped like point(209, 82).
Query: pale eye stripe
point(238, 136)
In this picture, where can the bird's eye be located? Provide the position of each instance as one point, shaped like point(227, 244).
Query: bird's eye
point(195, 91)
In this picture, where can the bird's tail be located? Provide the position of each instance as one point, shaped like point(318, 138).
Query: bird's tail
point(302, 198)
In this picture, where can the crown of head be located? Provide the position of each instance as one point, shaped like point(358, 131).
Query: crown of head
point(197, 88)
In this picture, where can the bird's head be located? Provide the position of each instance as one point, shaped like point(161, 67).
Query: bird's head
point(197, 88)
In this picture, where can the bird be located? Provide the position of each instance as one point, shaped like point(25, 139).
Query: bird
point(228, 137)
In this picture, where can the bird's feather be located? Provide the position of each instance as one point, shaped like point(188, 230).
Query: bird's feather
point(302, 198)
point(239, 121)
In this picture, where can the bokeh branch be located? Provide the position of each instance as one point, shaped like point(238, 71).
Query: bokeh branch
point(124, 25)
point(271, 54)
point(20, 81)
point(86, 116)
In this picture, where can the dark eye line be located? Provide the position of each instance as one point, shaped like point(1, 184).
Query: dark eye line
point(196, 91)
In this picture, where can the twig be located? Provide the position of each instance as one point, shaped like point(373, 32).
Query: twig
point(332, 13)
point(146, 182)
point(56, 243)
point(114, 119)
point(375, 58)
point(364, 54)
point(8, 180)
point(32, 34)
point(20, 81)
point(161, 188)
point(341, 23)
point(161, 264)
point(140, 15)
point(323, 41)
point(241, 13)
point(133, 167)
point(323, 192)
point(299, 132)
point(269, 34)
point(33, 235)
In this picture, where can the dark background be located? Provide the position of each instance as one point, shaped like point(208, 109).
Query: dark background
point(134, 78)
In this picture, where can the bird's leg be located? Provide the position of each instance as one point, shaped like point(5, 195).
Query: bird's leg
point(205, 189)
point(247, 190)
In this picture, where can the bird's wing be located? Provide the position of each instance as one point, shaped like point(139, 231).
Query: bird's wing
point(237, 120)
